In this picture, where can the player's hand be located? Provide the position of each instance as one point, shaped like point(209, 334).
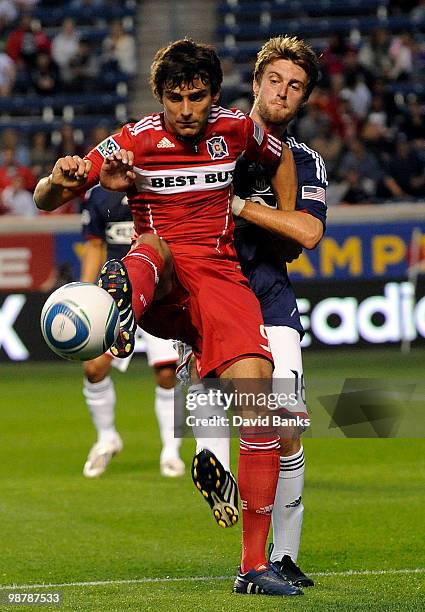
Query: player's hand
point(70, 172)
point(238, 204)
point(117, 172)
point(258, 200)
point(287, 250)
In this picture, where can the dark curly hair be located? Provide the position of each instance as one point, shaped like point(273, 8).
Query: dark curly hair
point(182, 62)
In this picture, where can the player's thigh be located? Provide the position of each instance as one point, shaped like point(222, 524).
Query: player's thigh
point(288, 374)
point(159, 351)
point(229, 317)
point(285, 345)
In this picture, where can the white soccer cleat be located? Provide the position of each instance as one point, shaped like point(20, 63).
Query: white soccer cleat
point(183, 369)
point(172, 468)
point(100, 455)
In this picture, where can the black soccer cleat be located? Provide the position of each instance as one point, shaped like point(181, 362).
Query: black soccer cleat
point(114, 279)
point(218, 487)
point(290, 571)
point(265, 581)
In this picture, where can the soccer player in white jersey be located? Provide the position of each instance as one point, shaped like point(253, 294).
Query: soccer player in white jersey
point(285, 73)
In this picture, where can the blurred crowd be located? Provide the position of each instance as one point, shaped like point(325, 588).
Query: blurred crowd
point(63, 58)
point(60, 59)
point(366, 120)
point(366, 117)
point(24, 161)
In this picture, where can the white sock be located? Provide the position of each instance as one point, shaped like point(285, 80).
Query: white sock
point(100, 400)
point(218, 440)
point(288, 509)
point(168, 410)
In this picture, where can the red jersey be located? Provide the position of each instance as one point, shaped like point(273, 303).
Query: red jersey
point(183, 189)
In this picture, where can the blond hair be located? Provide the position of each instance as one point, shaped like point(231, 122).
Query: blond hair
point(293, 49)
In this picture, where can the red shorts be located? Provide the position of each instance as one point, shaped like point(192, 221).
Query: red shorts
point(212, 308)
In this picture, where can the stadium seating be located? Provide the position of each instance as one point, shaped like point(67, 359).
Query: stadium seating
point(54, 15)
point(360, 42)
point(243, 23)
point(108, 93)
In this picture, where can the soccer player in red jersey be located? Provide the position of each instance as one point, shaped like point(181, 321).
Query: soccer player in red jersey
point(182, 278)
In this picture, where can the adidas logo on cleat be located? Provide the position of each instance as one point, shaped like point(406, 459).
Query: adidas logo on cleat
point(264, 580)
point(164, 143)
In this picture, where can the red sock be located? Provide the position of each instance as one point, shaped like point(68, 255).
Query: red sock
point(144, 266)
point(257, 481)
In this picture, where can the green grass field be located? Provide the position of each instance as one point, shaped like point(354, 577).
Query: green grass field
point(151, 544)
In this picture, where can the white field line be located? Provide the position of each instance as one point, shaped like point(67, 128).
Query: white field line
point(417, 570)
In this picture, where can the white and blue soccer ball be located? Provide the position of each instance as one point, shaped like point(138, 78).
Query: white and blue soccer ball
point(79, 321)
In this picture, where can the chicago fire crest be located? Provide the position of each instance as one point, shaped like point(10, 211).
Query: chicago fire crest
point(217, 147)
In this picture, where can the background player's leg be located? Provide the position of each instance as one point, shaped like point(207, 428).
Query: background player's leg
point(169, 402)
point(99, 392)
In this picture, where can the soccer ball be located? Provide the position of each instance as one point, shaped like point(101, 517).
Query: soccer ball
point(79, 321)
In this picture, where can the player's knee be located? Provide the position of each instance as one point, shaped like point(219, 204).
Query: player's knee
point(265, 368)
point(97, 369)
point(164, 251)
point(165, 376)
point(254, 368)
point(156, 243)
point(289, 446)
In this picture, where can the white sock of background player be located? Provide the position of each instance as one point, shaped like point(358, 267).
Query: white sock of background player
point(169, 413)
point(288, 509)
point(100, 399)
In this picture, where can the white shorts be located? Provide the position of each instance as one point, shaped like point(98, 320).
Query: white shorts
point(288, 372)
point(158, 351)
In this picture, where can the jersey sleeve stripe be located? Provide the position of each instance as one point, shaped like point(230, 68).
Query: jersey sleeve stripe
point(277, 150)
point(275, 140)
point(157, 128)
point(152, 122)
point(320, 164)
point(219, 112)
point(231, 112)
point(147, 119)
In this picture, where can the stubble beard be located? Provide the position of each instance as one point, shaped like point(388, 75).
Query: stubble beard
point(271, 116)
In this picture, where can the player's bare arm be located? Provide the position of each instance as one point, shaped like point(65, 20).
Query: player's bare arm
point(68, 176)
point(300, 226)
point(285, 222)
point(285, 181)
point(93, 258)
point(117, 172)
